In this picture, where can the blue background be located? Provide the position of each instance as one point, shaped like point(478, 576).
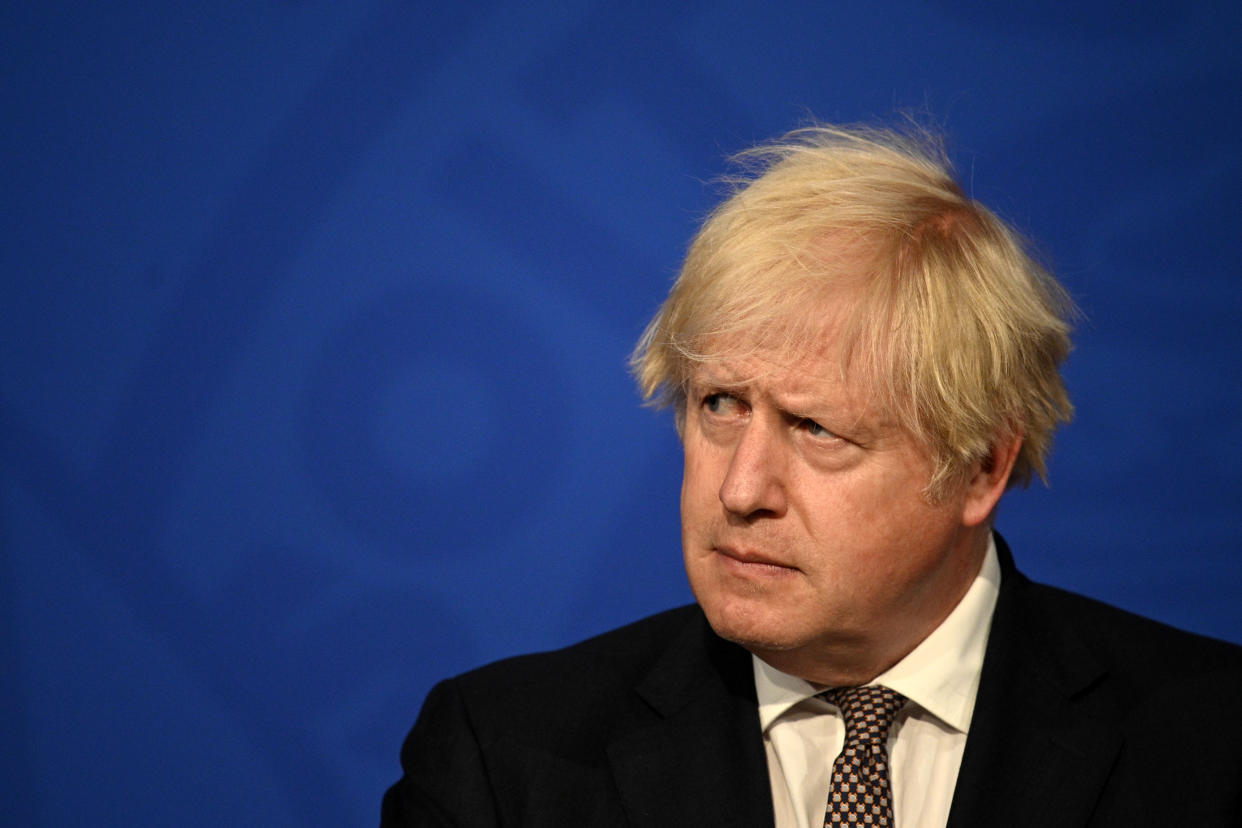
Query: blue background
point(314, 327)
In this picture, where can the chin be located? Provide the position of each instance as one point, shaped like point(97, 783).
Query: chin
point(754, 628)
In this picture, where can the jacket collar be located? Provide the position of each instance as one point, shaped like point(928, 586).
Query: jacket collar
point(1037, 754)
point(701, 760)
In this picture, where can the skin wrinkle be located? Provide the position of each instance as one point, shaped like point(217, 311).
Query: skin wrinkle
point(868, 565)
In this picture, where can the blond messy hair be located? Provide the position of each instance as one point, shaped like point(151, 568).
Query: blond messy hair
point(954, 328)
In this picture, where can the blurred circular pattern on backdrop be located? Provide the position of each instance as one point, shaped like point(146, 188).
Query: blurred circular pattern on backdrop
point(418, 414)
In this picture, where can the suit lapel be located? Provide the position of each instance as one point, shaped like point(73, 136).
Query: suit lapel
point(701, 761)
point(1038, 752)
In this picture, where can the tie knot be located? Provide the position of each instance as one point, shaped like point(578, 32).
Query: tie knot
point(868, 711)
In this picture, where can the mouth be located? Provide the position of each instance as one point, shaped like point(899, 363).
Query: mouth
point(752, 563)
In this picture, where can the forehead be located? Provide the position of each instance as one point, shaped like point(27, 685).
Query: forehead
point(835, 339)
point(808, 343)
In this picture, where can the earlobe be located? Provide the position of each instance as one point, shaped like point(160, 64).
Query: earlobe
point(989, 479)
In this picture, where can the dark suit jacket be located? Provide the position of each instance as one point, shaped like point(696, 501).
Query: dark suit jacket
point(1086, 716)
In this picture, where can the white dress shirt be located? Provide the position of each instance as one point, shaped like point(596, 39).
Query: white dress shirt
point(803, 734)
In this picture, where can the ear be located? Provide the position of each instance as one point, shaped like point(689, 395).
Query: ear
point(989, 477)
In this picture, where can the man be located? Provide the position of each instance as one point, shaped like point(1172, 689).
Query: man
point(861, 361)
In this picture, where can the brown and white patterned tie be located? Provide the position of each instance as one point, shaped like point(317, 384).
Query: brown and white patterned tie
point(860, 793)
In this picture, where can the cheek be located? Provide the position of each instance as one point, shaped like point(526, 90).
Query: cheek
point(700, 498)
point(878, 522)
point(912, 543)
point(700, 477)
point(696, 503)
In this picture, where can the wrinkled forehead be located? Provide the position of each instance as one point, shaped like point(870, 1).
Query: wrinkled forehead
point(815, 337)
point(804, 369)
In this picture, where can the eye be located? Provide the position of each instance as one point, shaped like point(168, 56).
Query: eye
point(722, 404)
point(818, 431)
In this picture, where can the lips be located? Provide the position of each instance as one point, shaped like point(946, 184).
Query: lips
point(752, 558)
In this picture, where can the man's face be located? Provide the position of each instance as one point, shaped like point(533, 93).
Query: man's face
point(806, 533)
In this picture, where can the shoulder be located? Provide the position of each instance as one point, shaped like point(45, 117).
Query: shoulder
point(1078, 639)
point(617, 657)
point(531, 737)
point(1089, 700)
point(535, 725)
point(629, 646)
point(1139, 648)
point(584, 692)
point(1147, 678)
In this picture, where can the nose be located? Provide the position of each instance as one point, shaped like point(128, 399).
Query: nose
point(754, 485)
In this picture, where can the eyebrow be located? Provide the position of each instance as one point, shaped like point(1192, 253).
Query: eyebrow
point(861, 421)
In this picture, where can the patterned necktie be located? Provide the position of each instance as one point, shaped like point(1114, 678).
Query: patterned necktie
point(860, 793)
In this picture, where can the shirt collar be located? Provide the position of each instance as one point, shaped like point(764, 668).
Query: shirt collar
point(941, 674)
